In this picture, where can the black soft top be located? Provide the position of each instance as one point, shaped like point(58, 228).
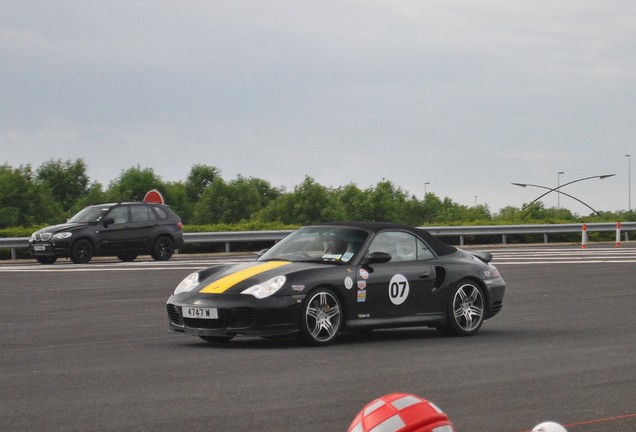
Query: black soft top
point(438, 246)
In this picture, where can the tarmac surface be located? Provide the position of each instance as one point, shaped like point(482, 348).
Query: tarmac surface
point(86, 348)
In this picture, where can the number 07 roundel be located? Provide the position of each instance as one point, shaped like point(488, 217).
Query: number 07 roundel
point(398, 289)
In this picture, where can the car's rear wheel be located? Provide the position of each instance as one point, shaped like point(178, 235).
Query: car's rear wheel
point(321, 317)
point(216, 339)
point(46, 260)
point(82, 251)
point(466, 308)
point(127, 256)
point(162, 249)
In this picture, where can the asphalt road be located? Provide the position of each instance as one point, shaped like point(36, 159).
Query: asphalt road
point(86, 348)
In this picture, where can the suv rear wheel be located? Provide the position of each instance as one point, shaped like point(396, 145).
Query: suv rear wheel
point(162, 249)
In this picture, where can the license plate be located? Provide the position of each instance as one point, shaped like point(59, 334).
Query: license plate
point(200, 313)
point(39, 248)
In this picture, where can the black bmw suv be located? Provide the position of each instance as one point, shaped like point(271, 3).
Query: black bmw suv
point(124, 230)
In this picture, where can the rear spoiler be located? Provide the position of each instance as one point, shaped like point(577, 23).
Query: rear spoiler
point(484, 256)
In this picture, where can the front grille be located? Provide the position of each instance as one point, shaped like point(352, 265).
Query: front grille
point(241, 318)
point(229, 319)
point(174, 316)
point(208, 324)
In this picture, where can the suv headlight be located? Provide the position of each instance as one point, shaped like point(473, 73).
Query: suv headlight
point(62, 235)
point(266, 288)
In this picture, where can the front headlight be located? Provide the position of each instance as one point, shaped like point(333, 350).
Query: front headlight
point(188, 284)
point(267, 288)
point(62, 235)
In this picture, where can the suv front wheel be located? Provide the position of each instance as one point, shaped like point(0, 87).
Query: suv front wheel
point(82, 251)
point(46, 259)
point(127, 256)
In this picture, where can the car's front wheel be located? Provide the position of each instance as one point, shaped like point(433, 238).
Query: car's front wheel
point(82, 251)
point(466, 308)
point(321, 317)
point(46, 259)
point(162, 249)
point(127, 256)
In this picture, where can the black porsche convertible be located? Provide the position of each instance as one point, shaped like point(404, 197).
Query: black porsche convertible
point(347, 276)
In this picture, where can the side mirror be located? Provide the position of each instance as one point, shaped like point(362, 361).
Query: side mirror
point(108, 221)
point(379, 257)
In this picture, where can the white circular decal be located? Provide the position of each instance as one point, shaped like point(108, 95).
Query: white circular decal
point(398, 289)
point(348, 282)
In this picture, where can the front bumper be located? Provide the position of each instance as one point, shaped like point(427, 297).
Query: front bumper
point(238, 314)
point(495, 290)
point(49, 249)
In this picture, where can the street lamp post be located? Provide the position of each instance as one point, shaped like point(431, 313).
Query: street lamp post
point(558, 187)
point(558, 190)
point(629, 180)
point(425, 183)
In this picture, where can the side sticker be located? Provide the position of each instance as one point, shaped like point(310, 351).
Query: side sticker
point(398, 289)
point(348, 282)
point(362, 296)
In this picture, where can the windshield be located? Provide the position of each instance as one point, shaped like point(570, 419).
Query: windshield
point(318, 244)
point(89, 214)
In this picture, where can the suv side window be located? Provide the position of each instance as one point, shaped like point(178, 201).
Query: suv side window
point(139, 213)
point(161, 212)
point(120, 214)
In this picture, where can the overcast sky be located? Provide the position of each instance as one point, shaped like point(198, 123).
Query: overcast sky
point(465, 95)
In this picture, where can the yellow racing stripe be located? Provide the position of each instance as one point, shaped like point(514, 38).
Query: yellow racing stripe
point(221, 285)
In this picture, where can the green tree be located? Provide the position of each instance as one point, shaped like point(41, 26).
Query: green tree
point(451, 212)
point(23, 200)
point(478, 213)
point(265, 190)
point(383, 202)
point(177, 198)
point(200, 177)
point(67, 180)
point(537, 213)
point(231, 202)
point(348, 203)
point(94, 195)
point(133, 184)
point(431, 209)
point(508, 215)
point(414, 212)
point(307, 204)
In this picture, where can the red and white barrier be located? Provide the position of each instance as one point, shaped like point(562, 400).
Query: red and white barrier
point(618, 234)
point(584, 237)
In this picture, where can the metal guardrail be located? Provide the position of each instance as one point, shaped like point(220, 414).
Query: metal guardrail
point(229, 237)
